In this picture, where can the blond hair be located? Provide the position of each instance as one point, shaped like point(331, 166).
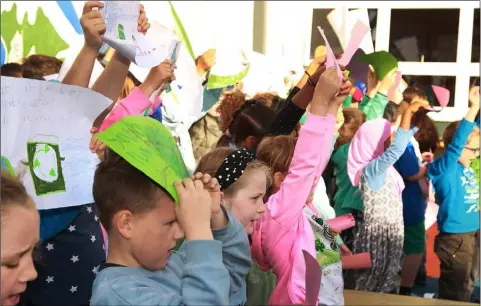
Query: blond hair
point(210, 162)
point(13, 193)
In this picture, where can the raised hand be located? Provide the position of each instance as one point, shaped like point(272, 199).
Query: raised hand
point(143, 21)
point(93, 24)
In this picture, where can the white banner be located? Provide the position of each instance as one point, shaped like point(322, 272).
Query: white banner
point(45, 129)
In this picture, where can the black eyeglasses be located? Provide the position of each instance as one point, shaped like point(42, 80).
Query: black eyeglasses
point(474, 150)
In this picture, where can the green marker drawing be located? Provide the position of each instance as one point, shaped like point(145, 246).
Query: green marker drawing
point(7, 166)
point(121, 32)
point(45, 164)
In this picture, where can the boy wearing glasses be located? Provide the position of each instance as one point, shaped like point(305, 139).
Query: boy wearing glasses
point(457, 193)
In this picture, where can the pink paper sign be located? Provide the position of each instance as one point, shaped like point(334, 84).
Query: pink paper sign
point(313, 279)
point(357, 35)
point(341, 223)
point(442, 94)
point(358, 261)
point(331, 60)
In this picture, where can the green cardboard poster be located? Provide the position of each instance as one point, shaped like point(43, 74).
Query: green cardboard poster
point(148, 146)
point(382, 62)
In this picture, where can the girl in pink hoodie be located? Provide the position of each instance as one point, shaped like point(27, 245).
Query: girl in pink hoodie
point(289, 225)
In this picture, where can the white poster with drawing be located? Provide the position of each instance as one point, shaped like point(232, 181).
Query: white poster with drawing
point(45, 129)
point(121, 21)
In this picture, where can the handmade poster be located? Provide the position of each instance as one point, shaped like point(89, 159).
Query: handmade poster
point(230, 68)
point(45, 131)
point(383, 62)
point(331, 58)
point(167, 44)
point(148, 146)
point(121, 21)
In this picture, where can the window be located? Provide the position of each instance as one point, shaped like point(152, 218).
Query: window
point(475, 49)
point(423, 81)
point(424, 35)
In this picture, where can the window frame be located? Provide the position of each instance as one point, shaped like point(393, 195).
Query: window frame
point(463, 69)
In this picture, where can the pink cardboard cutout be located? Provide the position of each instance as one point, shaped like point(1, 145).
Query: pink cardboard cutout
point(357, 261)
point(442, 94)
point(341, 223)
point(331, 60)
point(357, 35)
point(313, 279)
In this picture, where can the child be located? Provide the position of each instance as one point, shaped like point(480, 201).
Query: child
point(286, 229)
point(381, 233)
point(20, 224)
point(143, 224)
point(457, 192)
point(243, 182)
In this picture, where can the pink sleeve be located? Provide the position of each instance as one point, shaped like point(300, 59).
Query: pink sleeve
point(157, 102)
point(313, 149)
point(134, 104)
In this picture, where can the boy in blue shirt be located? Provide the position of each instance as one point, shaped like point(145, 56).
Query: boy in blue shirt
point(143, 224)
point(414, 203)
point(457, 193)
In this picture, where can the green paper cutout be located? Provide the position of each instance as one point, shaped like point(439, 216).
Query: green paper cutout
point(148, 146)
point(121, 32)
point(382, 62)
point(46, 168)
point(181, 31)
point(218, 81)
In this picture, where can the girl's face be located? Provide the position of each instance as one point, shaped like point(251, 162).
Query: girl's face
point(247, 203)
point(20, 233)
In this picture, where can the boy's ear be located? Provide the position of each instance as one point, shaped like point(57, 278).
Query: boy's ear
point(122, 221)
point(278, 179)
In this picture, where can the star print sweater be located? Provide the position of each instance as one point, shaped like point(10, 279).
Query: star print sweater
point(284, 230)
point(203, 272)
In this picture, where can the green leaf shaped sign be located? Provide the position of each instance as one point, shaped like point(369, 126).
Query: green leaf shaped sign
point(148, 146)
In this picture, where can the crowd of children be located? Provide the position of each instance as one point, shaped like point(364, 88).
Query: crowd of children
point(269, 173)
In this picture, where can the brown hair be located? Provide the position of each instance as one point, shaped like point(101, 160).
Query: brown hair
point(277, 152)
point(214, 159)
point(353, 119)
point(11, 70)
point(13, 193)
point(251, 119)
point(269, 99)
point(413, 92)
point(428, 135)
point(450, 130)
point(120, 186)
point(229, 104)
point(39, 65)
